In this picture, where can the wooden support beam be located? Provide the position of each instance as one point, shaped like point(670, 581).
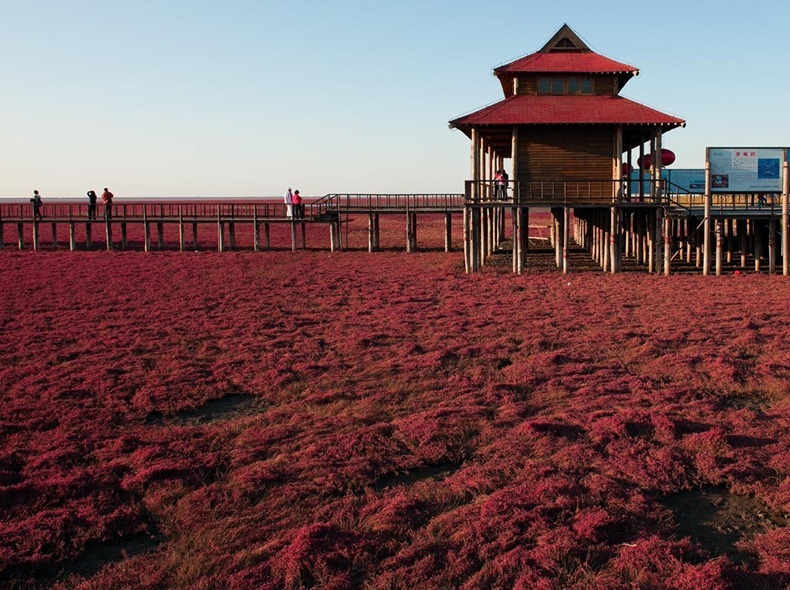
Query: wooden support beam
point(108, 232)
point(124, 236)
point(88, 236)
point(718, 246)
point(667, 245)
point(448, 232)
point(256, 234)
point(564, 224)
point(35, 235)
point(194, 236)
point(20, 235)
point(160, 235)
point(72, 237)
point(786, 221)
point(772, 245)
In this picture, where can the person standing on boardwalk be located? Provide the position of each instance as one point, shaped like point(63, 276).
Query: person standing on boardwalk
point(106, 198)
point(36, 200)
point(298, 207)
point(91, 204)
point(289, 204)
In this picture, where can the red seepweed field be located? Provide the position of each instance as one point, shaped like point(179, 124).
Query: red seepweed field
point(352, 420)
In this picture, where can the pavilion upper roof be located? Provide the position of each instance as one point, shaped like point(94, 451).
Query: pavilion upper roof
point(564, 53)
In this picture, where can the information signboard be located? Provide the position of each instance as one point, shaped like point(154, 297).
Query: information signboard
point(746, 170)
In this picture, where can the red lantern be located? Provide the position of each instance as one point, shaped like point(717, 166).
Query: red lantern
point(667, 157)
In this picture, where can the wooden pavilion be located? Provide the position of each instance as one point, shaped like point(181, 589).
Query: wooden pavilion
point(569, 135)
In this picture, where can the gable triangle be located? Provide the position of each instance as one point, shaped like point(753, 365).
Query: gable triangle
point(564, 40)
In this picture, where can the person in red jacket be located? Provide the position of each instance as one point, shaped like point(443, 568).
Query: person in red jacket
point(106, 198)
point(298, 206)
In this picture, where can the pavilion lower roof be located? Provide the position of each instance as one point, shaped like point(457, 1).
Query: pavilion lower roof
point(566, 110)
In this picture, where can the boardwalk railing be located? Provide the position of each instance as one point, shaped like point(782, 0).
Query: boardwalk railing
point(382, 202)
point(581, 192)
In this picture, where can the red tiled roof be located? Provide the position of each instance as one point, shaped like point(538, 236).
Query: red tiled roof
point(570, 62)
point(566, 110)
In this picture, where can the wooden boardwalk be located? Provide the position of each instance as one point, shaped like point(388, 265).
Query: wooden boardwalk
point(330, 211)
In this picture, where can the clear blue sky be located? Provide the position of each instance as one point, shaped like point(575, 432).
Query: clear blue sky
point(245, 98)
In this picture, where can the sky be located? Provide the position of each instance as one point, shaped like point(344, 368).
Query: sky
point(242, 98)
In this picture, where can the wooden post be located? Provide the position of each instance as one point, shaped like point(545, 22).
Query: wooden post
point(267, 237)
point(304, 234)
point(376, 231)
point(54, 236)
point(565, 218)
point(718, 246)
point(772, 245)
point(371, 240)
point(332, 238)
point(706, 246)
point(515, 218)
point(740, 226)
point(292, 224)
point(256, 234)
point(21, 235)
point(667, 244)
point(180, 229)
point(758, 244)
point(523, 229)
point(220, 233)
point(785, 224)
point(72, 237)
point(124, 240)
point(614, 240)
point(108, 232)
point(88, 236)
point(467, 241)
point(35, 235)
point(448, 232)
point(160, 235)
point(232, 233)
point(146, 231)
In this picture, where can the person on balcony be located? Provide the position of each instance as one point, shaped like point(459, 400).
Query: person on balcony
point(36, 200)
point(289, 204)
point(501, 180)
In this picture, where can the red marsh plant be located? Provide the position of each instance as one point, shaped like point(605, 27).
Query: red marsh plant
point(353, 420)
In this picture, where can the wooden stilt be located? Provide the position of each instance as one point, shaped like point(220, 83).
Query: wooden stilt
point(565, 240)
point(108, 232)
point(772, 245)
point(786, 221)
point(303, 228)
point(448, 232)
point(267, 236)
point(72, 237)
point(35, 235)
point(160, 235)
point(54, 236)
point(20, 235)
point(371, 240)
point(232, 234)
point(88, 236)
point(124, 237)
point(667, 245)
point(706, 250)
point(758, 244)
point(256, 235)
point(292, 225)
point(743, 238)
point(181, 241)
point(718, 246)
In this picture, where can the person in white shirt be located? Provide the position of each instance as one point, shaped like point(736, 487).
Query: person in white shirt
point(289, 204)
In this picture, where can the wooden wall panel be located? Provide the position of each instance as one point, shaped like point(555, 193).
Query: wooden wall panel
point(576, 154)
